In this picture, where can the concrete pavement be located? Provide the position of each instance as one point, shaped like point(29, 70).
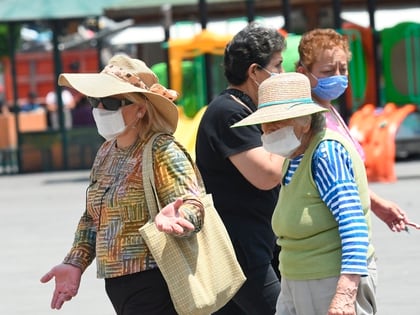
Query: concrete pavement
point(39, 215)
point(399, 254)
point(40, 212)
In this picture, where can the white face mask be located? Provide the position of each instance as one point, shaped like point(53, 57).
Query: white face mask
point(281, 142)
point(110, 123)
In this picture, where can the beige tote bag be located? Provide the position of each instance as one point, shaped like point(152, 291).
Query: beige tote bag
point(201, 271)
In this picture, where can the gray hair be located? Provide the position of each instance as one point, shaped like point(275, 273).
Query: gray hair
point(316, 120)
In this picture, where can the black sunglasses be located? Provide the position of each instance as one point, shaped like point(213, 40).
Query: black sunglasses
point(109, 103)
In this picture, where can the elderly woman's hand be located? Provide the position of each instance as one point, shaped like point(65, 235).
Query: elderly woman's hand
point(345, 295)
point(169, 221)
point(342, 305)
point(389, 212)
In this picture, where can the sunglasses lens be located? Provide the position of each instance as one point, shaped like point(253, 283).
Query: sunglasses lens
point(111, 103)
point(94, 102)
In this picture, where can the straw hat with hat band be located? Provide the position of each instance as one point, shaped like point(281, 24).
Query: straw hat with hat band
point(283, 96)
point(125, 75)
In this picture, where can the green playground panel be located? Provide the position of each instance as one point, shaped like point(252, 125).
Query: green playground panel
point(401, 63)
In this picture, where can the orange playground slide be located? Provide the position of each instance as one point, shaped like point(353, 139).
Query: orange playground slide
point(376, 130)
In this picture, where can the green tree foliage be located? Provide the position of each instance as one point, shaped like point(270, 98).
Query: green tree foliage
point(4, 38)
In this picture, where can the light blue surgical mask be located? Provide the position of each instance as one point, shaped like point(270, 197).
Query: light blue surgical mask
point(330, 88)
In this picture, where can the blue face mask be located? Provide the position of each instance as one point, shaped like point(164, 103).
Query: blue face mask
point(272, 74)
point(330, 88)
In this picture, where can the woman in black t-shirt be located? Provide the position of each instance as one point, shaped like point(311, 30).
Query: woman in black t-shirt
point(243, 178)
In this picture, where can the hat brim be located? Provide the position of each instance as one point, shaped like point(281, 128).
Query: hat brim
point(276, 113)
point(103, 85)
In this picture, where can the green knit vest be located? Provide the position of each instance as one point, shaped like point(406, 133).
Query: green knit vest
point(306, 229)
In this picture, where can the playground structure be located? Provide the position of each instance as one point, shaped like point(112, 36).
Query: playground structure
point(35, 70)
point(375, 125)
point(189, 61)
point(378, 126)
point(40, 148)
point(187, 68)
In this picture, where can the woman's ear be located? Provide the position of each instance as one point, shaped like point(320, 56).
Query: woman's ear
point(307, 125)
point(302, 124)
point(252, 71)
point(300, 69)
point(141, 110)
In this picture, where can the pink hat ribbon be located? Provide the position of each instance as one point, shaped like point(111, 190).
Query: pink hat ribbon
point(131, 78)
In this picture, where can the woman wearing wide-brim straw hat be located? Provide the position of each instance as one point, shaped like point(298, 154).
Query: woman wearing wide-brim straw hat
point(322, 218)
point(129, 106)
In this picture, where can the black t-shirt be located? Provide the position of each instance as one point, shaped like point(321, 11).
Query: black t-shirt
point(245, 209)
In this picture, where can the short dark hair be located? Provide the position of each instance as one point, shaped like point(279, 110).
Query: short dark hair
point(253, 44)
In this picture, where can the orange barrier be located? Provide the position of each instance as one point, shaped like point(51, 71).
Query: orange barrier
point(376, 129)
point(8, 138)
point(362, 122)
point(28, 121)
point(32, 121)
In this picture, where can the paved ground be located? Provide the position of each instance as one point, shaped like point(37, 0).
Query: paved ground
point(40, 211)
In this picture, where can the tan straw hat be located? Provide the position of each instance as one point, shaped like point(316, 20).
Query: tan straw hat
point(280, 97)
point(125, 75)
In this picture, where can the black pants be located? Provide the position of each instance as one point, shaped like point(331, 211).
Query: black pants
point(258, 295)
point(141, 293)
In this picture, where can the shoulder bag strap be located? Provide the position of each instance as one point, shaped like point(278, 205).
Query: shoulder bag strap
point(150, 193)
point(244, 99)
point(149, 187)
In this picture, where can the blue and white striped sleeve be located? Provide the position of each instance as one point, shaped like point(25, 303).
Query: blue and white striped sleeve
point(332, 170)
